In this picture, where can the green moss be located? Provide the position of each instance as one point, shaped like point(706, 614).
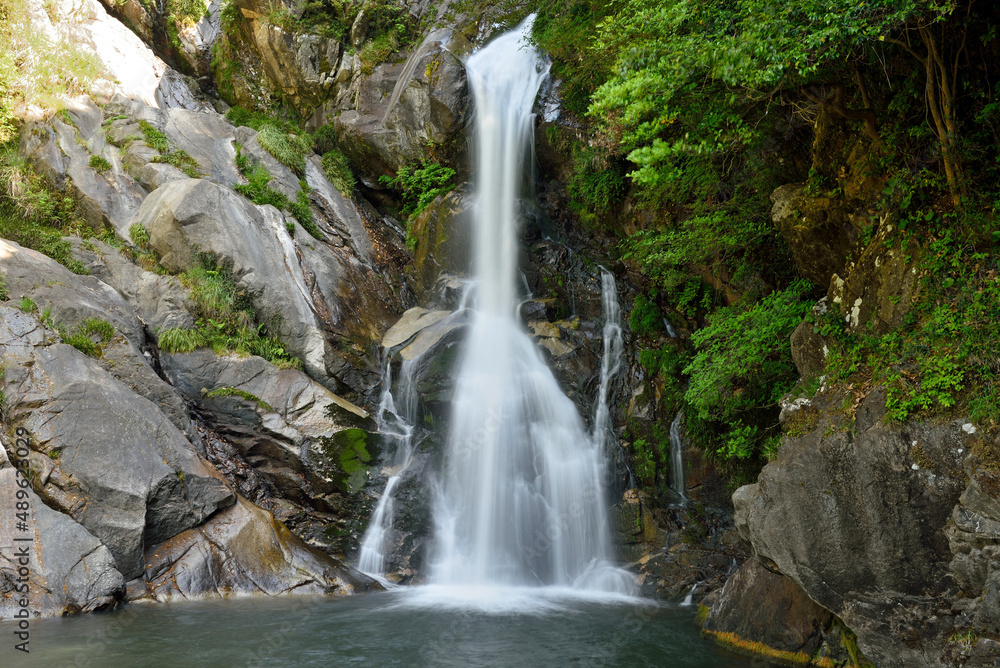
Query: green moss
point(349, 449)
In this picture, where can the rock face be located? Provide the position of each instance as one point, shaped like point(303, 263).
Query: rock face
point(870, 521)
point(68, 569)
point(243, 551)
point(769, 607)
point(401, 108)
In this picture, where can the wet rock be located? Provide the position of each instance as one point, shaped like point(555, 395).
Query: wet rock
point(402, 108)
point(767, 607)
point(442, 241)
point(413, 321)
point(244, 551)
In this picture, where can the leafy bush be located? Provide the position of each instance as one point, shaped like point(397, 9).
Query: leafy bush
point(259, 192)
point(743, 365)
point(646, 318)
point(419, 186)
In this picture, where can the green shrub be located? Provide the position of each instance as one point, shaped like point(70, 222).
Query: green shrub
point(743, 365)
point(259, 192)
point(154, 138)
point(338, 171)
point(227, 318)
point(419, 186)
point(99, 164)
point(139, 235)
point(646, 319)
point(101, 328)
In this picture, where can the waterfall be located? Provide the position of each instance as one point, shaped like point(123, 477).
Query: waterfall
point(521, 499)
point(611, 360)
point(677, 458)
point(395, 424)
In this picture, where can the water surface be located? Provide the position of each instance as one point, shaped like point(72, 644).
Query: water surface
point(409, 628)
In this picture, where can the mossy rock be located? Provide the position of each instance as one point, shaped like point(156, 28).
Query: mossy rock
point(345, 458)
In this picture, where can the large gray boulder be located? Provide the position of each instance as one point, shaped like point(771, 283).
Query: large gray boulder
point(185, 218)
point(69, 570)
point(857, 516)
point(69, 300)
point(243, 551)
point(400, 109)
point(108, 457)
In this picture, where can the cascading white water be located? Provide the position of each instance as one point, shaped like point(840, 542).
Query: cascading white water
point(611, 360)
point(394, 423)
point(521, 498)
point(677, 458)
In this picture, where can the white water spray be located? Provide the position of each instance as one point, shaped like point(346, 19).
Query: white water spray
point(677, 459)
point(394, 422)
point(521, 499)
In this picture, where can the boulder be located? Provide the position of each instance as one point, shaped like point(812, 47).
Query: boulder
point(442, 240)
point(769, 608)
point(185, 218)
point(856, 516)
point(244, 551)
point(819, 231)
point(116, 464)
point(69, 300)
point(69, 570)
point(402, 108)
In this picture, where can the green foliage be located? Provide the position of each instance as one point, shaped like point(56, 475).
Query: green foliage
point(227, 318)
point(182, 160)
point(646, 319)
point(944, 356)
point(139, 235)
point(34, 70)
point(181, 340)
point(743, 365)
point(3, 289)
point(242, 394)
point(33, 214)
point(420, 185)
point(390, 29)
point(157, 141)
point(83, 337)
point(154, 138)
point(598, 181)
point(99, 163)
point(259, 192)
point(338, 170)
